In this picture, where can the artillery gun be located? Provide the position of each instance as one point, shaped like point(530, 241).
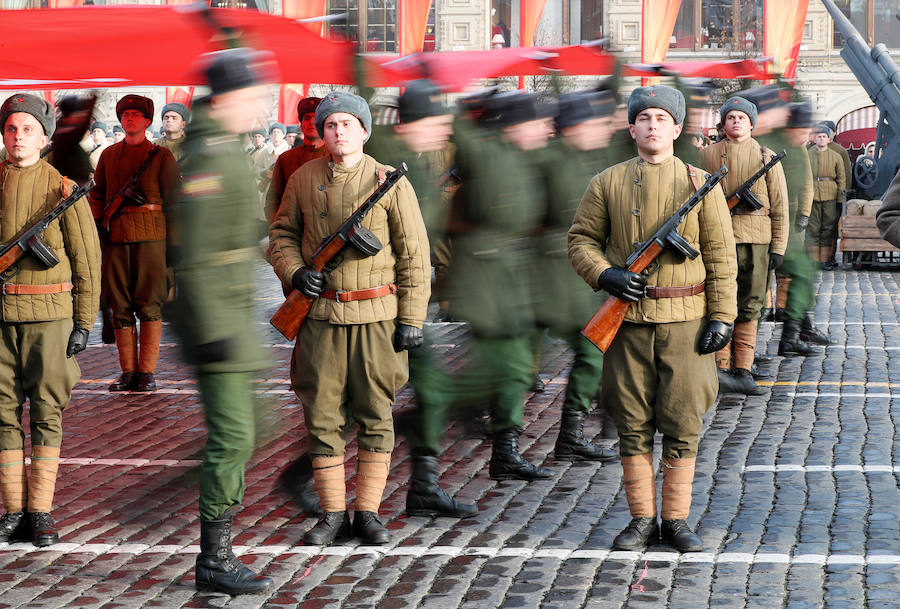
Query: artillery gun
point(879, 75)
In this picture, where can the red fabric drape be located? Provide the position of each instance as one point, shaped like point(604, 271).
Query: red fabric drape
point(413, 21)
point(782, 31)
point(657, 23)
point(181, 95)
point(529, 16)
point(305, 9)
point(288, 98)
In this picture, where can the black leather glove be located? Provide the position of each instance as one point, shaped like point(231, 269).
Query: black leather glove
point(623, 283)
point(715, 336)
point(775, 261)
point(802, 222)
point(77, 341)
point(210, 353)
point(407, 337)
point(309, 281)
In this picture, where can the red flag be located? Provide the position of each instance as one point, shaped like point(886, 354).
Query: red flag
point(180, 95)
point(658, 21)
point(530, 15)
point(782, 30)
point(305, 9)
point(288, 98)
point(413, 21)
point(64, 3)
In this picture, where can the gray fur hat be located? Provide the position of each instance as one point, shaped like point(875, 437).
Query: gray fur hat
point(33, 105)
point(741, 105)
point(178, 108)
point(656, 96)
point(341, 101)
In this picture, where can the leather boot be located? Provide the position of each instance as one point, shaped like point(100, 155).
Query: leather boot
point(13, 527)
point(726, 381)
point(640, 533)
point(766, 314)
point(426, 498)
point(217, 568)
point(640, 491)
point(742, 382)
point(43, 529)
point(332, 527)
point(538, 385)
point(151, 333)
point(126, 344)
point(369, 529)
point(508, 464)
point(571, 444)
point(780, 315)
point(108, 333)
point(791, 343)
point(811, 334)
point(679, 535)
point(678, 481)
point(297, 481)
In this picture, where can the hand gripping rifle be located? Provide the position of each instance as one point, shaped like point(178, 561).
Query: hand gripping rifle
point(744, 194)
point(603, 326)
point(292, 313)
point(29, 240)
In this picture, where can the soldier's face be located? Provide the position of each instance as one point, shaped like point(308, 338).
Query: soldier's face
point(99, 136)
point(118, 136)
point(24, 139)
point(291, 138)
point(592, 134)
point(654, 131)
point(737, 125)
point(259, 140)
point(530, 135)
point(344, 134)
point(308, 126)
point(172, 122)
point(822, 141)
point(134, 122)
point(428, 134)
point(277, 135)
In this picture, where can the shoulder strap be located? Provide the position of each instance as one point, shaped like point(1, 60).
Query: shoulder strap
point(692, 174)
point(380, 175)
point(65, 187)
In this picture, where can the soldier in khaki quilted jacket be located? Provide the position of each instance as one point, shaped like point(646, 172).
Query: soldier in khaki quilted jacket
point(45, 317)
point(658, 373)
point(829, 183)
point(348, 360)
point(134, 252)
point(761, 235)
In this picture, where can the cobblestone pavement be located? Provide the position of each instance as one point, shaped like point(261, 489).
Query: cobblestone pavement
point(795, 496)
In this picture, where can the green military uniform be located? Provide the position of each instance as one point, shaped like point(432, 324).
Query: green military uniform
point(174, 146)
point(215, 303)
point(829, 182)
point(653, 377)
point(845, 160)
point(35, 327)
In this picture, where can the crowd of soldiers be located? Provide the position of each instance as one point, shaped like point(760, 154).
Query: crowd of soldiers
point(518, 217)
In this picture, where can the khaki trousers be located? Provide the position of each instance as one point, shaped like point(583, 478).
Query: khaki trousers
point(134, 280)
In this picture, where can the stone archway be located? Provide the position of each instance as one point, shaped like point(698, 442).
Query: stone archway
point(842, 106)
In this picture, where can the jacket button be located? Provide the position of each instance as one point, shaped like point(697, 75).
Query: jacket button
point(324, 214)
point(637, 181)
point(321, 187)
point(636, 212)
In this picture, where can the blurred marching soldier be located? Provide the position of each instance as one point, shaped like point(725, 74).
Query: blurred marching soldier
point(565, 303)
point(349, 358)
point(421, 141)
point(761, 235)
point(47, 315)
point(829, 182)
point(696, 99)
point(658, 373)
point(134, 221)
point(215, 264)
point(496, 211)
point(288, 162)
point(175, 117)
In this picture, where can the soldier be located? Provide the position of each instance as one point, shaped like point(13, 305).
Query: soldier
point(830, 182)
point(277, 144)
point(348, 358)
point(47, 313)
point(888, 214)
point(658, 373)
point(215, 302)
point(312, 148)
point(118, 134)
point(98, 143)
point(175, 117)
point(291, 136)
point(565, 303)
point(761, 235)
point(134, 253)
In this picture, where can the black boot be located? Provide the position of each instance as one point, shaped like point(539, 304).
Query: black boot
point(679, 535)
point(124, 383)
point(538, 385)
point(297, 481)
point(13, 527)
point(217, 568)
point(781, 315)
point(369, 529)
point(108, 333)
point(332, 527)
point(426, 498)
point(791, 343)
point(639, 533)
point(763, 358)
point(767, 315)
point(571, 444)
point(738, 380)
point(43, 529)
point(811, 334)
point(508, 464)
point(143, 381)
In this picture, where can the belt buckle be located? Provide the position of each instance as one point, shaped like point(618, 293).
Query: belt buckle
point(339, 295)
point(3, 288)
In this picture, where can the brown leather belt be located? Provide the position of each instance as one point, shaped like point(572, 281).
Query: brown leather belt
point(756, 212)
point(31, 290)
point(349, 296)
point(675, 292)
point(141, 209)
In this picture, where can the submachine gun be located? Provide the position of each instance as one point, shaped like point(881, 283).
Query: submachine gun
point(880, 77)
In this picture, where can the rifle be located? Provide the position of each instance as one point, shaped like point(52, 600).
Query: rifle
point(129, 190)
point(743, 193)
point(603, 326)
point(29, 240)
point(293, 311)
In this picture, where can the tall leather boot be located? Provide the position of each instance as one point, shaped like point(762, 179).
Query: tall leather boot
point(108, 333)
point(426, 498)
point(297, 481)
point(811, 334)
point(217, 568)
point(328, 472)
point(13, 524)
point(41, 486)
point(151, 333)
point(126, 344)
point(678, 480)
point(744, 340)
point(791, 344)
point(371, 478)
point(571, 444)
point(640, 491)
point(508, 464)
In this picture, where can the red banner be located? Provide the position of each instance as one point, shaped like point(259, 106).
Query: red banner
point(305, 9)
point(529, 16)
point(288, 98)
point(180, 95)
point(64, 3)
point(657, 23)
point(413, 21)
point(782, 31)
